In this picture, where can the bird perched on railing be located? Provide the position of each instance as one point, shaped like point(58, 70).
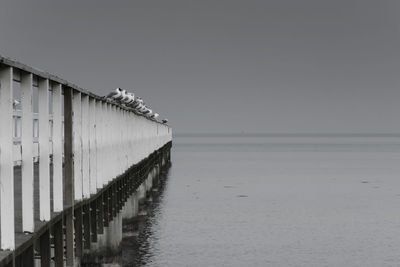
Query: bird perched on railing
point(130, 100)
point(136, 103)
point(116, 94)
point(147, 111)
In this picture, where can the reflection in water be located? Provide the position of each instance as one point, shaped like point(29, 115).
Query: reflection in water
point(136, 245)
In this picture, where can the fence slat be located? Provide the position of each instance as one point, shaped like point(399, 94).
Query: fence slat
point(85, 147)
point(27, 152)
point(99, 143)
point(57, 149)
point(44, 150)
point(92, 146)
point(77, 132)
point(6, 159)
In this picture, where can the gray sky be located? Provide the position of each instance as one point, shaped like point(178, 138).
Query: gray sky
point(224, 66)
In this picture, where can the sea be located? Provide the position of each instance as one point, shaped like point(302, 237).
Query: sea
point(273, 200)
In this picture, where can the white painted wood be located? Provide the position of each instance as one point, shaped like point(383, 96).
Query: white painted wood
point(113, 134)
point(44, 151)
point(99, 144)
point(106, 141)
point(92, 146)
point(27, 152)
point(6, 159)
point(108, 135)
point(58, 147)
point(77, 132)
point(85, 147)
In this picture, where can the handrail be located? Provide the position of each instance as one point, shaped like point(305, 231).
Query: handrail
point(86, 140)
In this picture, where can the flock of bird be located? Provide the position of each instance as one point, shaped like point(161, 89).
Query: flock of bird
point(131, 101)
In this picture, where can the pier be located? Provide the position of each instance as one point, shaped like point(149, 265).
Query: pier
point(72, 164)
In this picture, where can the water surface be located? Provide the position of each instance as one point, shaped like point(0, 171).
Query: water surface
point(262, 201)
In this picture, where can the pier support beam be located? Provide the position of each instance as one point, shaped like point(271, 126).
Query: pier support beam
point(78, 233)
point(26, 258)
point(58, 234)
point(45, 252)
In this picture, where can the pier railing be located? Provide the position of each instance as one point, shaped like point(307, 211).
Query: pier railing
point(74, 141)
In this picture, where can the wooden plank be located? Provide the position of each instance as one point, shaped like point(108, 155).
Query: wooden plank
point(93, 220)
point(27, 153)
point(86, 226)
point(68, 182)
point(77, 132)
point(26, 258)
point(58, 244)
point(113, 145)
point(6, 159)
point(92, 146)
point(100, 212)
point(107, 141)
point(106, 202)
point(57, 148)
point(78, 232)
point(85, 148)
point(99, 144)
point(45, 253)
point(44, 150)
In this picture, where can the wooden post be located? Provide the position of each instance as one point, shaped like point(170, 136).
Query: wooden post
point(69, 178)
point(86, 226)
point(44, 155)
point(85, 147)
point(58, 244)
point(45, 252)
point(57, 149)
point(27, 155)
point(26, 258)
point(6, 159)
point(99, 144)
point(78, 232)
point(93, 220)
point(77, 150)
point(106, 202)
point(92, 146)
point(100, 213)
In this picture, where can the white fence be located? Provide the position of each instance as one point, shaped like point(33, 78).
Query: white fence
point(104, 138)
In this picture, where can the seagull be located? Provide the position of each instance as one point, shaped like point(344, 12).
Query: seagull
point(143, 109)
point(129, 99)
point(116, 94)
point(137, 102)
point(139, 106)
point(147, 111)
point(125, 96)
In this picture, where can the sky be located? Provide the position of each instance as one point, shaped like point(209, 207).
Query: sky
point(221, 66)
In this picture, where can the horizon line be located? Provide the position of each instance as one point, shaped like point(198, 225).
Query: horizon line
point(235, 134)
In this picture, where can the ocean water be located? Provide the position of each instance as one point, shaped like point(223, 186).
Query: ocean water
point(274, 201)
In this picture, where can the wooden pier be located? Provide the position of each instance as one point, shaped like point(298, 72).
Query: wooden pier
point(69, 160)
